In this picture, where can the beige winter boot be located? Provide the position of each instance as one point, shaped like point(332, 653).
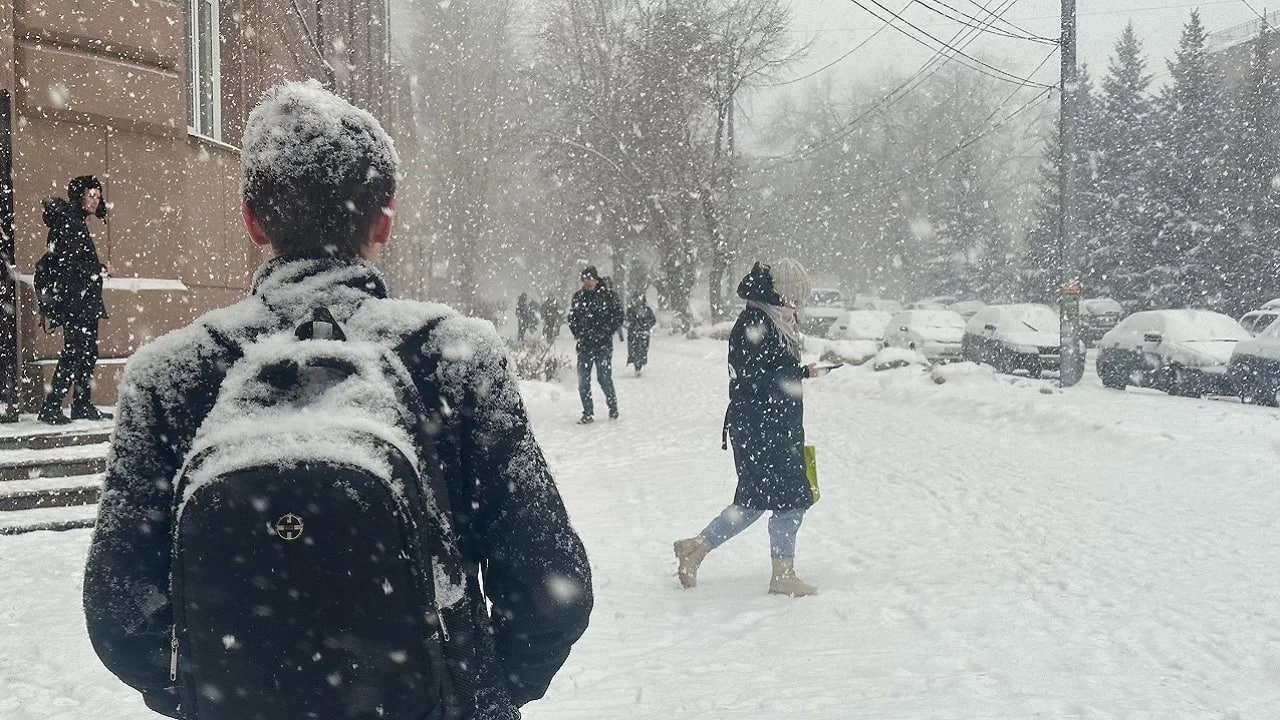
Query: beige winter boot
point(689, 555)
point(785, 582)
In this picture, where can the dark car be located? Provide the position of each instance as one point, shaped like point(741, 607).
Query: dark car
point(1254, 368)
point(1182, 352)
point(1011, 338)
point(1097, 316)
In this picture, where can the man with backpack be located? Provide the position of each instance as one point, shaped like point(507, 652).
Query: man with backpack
point(320, 501)
point(68, 282)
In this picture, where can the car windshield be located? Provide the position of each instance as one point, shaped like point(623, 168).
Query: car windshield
point(1034, 317)
point(825, 298)
point(944, 320)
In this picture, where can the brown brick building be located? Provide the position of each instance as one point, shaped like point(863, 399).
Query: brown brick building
point(151, 96)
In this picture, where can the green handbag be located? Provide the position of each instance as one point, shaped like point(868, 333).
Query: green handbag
point(811, 470)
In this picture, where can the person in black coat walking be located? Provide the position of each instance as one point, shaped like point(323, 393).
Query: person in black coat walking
point(77, 296)
point(640, 322)
point(531, 595)
point(765, 426)
point(594, 316)
point(526, 316)
point(551, 319)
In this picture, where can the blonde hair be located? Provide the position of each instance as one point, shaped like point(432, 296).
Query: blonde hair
point(790, 280)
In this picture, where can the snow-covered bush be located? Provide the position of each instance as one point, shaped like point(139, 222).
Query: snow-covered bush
point(718, 331)
point(850, 352)
point(534, 359)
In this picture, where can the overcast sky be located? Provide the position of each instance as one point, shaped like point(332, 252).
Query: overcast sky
point(836, 26)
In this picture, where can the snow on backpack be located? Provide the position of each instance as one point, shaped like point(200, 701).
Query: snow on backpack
point(315, 572)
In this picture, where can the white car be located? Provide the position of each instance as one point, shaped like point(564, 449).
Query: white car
point(967, 308)
point(1257, 321)
point(1183, 352)
point(859, 325)
point(936, 334)
point(823, 307)
point(1014, 337)
point(1254, 368)
point(870, 302)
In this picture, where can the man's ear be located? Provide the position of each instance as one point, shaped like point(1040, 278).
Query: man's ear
point(382, 226)
point(256, 233)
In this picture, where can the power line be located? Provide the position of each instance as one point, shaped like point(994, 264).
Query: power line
point(999, 74)
point(1261, 17)
point(967, 20)
point(927, 70)
point(831, 64)
point(969, 142)
point(1010, 23)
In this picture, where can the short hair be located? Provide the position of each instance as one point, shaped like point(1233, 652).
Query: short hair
point(318, 171)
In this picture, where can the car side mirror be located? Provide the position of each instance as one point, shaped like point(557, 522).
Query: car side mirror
point(1152, 337)
point(989, 327)
point(902, 328)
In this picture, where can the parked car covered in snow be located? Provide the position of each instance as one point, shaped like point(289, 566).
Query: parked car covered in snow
point(822, 308)
point(1257, 321)
point(871, 302)
point(1013, 337)
point(967, 308)
point(859, 325)
point(1182, 352)
point(936, 334)
point(1097, 316)
point(1254, 368)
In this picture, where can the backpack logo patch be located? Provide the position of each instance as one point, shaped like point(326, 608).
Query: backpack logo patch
point(289, 527)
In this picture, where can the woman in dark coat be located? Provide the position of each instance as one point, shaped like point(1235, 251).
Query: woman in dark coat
point(639, 323)
point(764, 425)
point(78, 296)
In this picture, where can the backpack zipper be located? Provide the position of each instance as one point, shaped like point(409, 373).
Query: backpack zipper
point(444, 629)
point(173, 655)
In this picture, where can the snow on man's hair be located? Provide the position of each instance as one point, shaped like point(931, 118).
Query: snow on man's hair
point(318, 171)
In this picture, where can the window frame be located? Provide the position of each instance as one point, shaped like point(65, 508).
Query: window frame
point(204, 55)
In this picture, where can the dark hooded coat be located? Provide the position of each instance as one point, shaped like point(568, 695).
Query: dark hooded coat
point(80, 273)
point(765, 419)
point(508, 514)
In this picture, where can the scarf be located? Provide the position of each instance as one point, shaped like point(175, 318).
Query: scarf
point(784, 319)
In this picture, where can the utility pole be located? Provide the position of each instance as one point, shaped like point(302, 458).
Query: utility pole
point(1072, 354)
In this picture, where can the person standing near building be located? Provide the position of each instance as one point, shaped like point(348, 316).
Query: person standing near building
point(77, 297)
point(764, 424)
point(594, 316)
point(640, 322)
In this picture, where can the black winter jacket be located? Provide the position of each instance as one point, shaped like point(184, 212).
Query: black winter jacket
point(765, 419)
point(509, 515)
point(595, 315)
point(81, 272)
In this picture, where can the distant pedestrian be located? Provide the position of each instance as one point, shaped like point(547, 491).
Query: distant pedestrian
point(764, 423)
point(551, 319)
point(639, 322)
point(526, 316)
point(77, 297)
point(594, 316)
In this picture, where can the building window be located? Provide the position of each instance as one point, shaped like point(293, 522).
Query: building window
point(204, 106)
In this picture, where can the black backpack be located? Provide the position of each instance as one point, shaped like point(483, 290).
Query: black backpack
point(315, 571)
point(49, 282)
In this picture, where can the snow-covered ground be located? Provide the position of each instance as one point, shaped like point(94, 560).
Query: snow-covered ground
point(985, 548)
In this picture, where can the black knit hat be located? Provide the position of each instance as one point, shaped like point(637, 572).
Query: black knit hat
point(590, 272)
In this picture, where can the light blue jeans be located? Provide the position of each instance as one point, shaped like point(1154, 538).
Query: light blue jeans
point(783, 526)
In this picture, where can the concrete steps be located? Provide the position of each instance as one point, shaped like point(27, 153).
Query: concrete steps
point(51, 478)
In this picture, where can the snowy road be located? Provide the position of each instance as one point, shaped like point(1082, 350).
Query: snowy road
point(984, 550)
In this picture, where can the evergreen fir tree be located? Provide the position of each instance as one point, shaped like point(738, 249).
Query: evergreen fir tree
point(1124, 175)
